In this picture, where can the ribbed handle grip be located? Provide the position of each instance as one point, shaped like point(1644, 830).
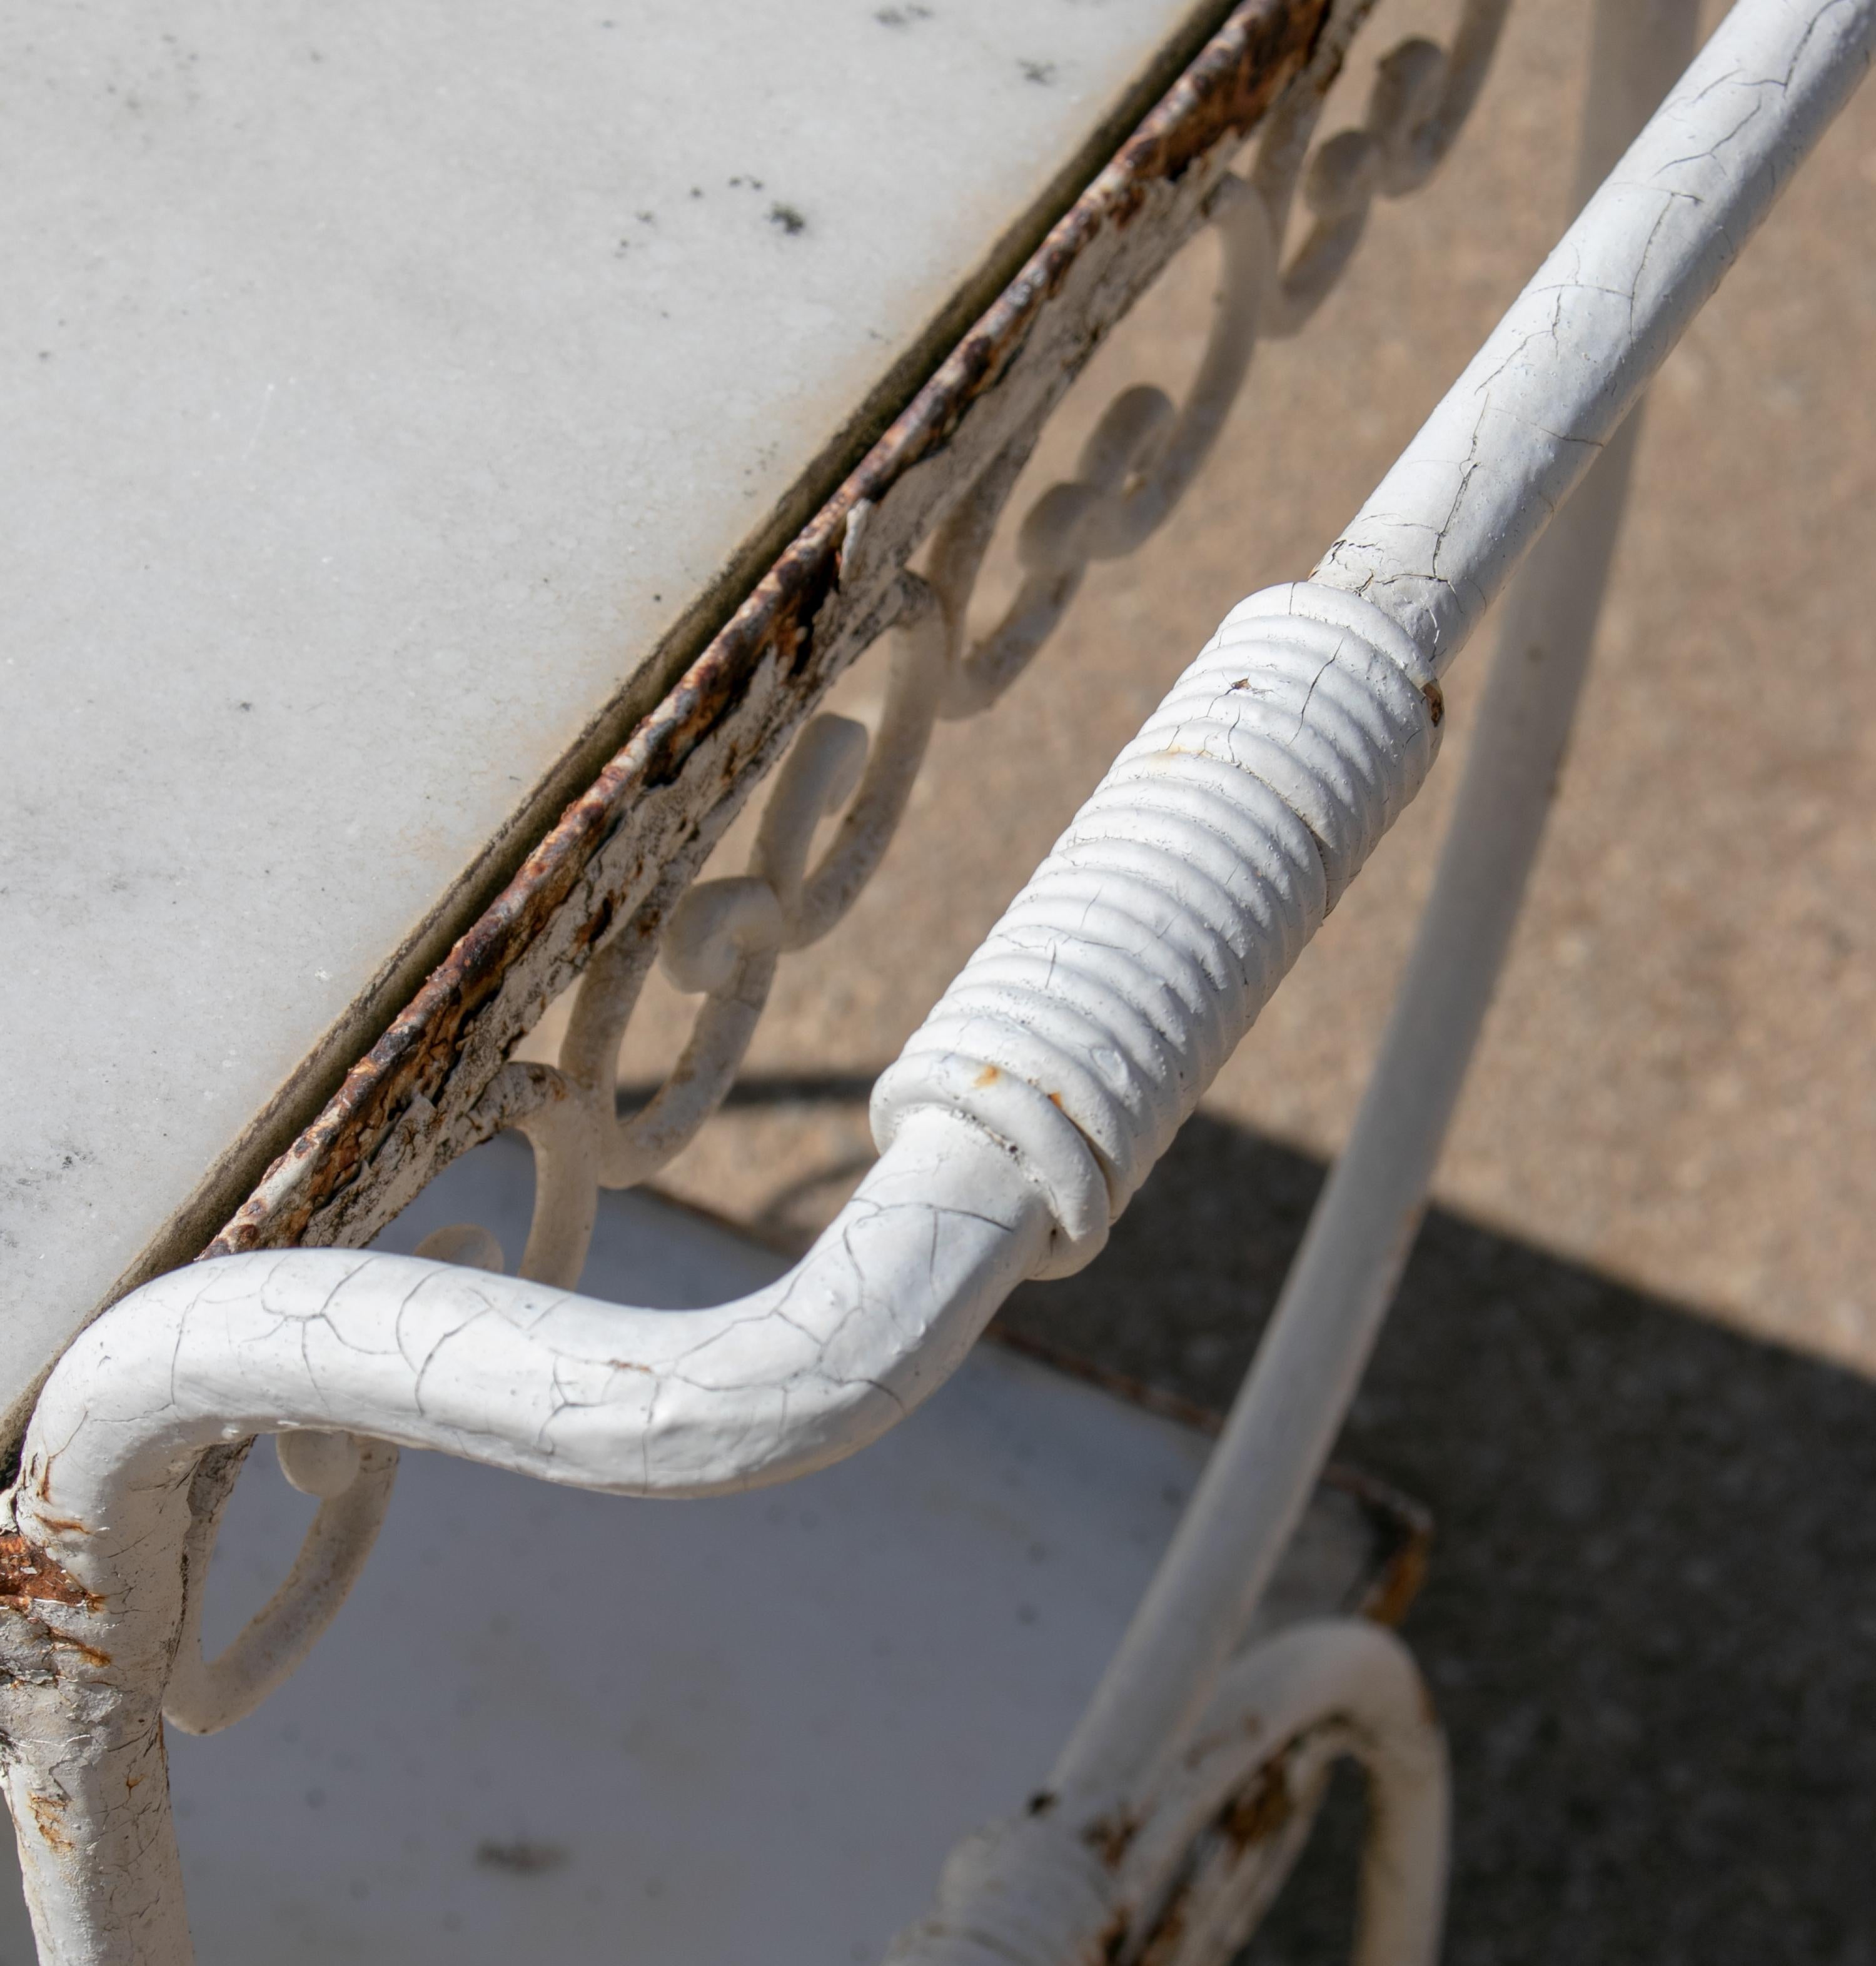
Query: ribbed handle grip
point(1103, 1003)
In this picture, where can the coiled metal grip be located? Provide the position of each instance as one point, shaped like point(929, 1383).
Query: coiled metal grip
point(1083, 1032)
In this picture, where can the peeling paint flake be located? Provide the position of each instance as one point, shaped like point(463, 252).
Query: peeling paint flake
point(28, 1575)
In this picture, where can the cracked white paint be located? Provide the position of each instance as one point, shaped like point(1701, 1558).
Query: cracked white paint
point(499, 1369)
point(1020, 1121)
point(1515, 434)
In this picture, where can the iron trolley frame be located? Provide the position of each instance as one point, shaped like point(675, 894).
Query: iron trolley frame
point(1045, 1083)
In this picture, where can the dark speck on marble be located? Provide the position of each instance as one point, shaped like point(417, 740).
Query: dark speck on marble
point(790, 221)
point(521, 1858)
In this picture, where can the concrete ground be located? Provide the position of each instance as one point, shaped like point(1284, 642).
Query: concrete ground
point(1630, 1367)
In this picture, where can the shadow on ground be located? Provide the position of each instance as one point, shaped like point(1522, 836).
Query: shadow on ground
point(1650, 1619)
point(1650, 1622)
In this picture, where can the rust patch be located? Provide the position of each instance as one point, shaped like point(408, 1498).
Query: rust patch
point(29, 1575)
point(47, 1812)
point(1405, 1528)
point(90, 1654)
point(1164, 1943)
point(1435, 703)
point(988, 1076)
point(1111, 1942)
point(1250, 1818)
point(1224, 93)
point(1111, 1838)
point(1221, 96)
point(1397, 1586)
point(65, 1525)
point(1258, 1814)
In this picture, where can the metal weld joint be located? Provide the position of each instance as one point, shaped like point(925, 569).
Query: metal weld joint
point(1082, 1033)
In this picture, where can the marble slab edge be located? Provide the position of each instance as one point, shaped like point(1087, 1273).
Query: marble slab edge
point(629, 843)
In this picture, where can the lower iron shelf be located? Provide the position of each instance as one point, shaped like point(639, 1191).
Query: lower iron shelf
point(554, 1725)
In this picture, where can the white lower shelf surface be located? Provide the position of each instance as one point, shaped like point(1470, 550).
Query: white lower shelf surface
point(553, 1725)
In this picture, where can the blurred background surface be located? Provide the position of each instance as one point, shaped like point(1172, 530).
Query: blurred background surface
point(1631, 1366)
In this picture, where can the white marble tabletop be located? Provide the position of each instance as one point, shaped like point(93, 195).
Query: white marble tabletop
point(381, 385)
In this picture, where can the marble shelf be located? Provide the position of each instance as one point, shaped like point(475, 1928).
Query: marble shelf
point(389, 394)
point(550, 1725)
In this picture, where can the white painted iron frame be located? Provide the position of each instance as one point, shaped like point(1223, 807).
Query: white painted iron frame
point(1016, 1124)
